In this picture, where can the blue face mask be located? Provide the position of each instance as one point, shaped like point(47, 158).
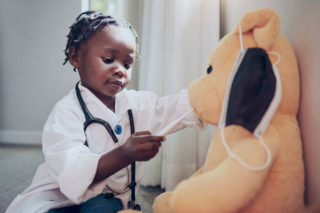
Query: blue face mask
point(252, 96)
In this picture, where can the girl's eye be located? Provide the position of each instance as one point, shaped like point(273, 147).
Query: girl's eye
point(108, 60)
point(127, 66)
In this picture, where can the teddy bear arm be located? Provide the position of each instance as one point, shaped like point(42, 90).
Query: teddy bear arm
point(230, 186)
point(162, 203)
point(227, 188)
point(197, 172)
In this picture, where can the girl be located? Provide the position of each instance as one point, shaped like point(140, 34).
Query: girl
point(89, 139)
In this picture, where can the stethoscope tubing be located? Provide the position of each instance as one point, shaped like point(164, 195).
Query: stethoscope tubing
point(90, 120)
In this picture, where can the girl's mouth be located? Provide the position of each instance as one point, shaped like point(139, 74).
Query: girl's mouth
point(116, 84)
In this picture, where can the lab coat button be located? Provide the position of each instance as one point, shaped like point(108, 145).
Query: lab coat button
point(118, 129)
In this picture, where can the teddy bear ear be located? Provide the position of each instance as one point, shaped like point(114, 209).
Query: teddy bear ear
point(265, 24)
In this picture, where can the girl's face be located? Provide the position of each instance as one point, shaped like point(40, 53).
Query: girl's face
point(105, 61)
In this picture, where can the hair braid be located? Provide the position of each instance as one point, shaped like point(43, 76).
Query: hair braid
point(91, 21)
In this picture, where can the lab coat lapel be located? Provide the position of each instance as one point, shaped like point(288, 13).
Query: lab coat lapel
point(95, 106)
point(123, 102)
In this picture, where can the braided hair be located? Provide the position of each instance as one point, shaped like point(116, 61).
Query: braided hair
point(91, 21)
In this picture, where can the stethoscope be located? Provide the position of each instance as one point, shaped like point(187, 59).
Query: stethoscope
point(90, 120)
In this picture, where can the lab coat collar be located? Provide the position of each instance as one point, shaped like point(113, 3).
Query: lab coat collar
point(123, 102)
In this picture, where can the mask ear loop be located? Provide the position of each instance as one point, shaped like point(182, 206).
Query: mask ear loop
point(279, 57)
point(240, 35)
point(253, 168)
point(230, 153)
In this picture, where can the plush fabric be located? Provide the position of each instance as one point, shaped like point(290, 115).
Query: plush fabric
point(223, 185)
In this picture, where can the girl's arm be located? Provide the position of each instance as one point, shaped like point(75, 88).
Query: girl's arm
point(162, 111)
point(141, 146)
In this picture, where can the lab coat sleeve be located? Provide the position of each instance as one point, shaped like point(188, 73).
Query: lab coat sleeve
point(69, 161)
point(164, 110)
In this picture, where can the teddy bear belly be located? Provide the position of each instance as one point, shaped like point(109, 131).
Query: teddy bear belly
point(283, 189)
point(279, 194)
point(282, 192)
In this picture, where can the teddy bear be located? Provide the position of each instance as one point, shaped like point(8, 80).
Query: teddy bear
point(225, 184)
point(265, 176)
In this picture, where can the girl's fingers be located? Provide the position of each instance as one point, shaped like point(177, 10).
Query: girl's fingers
point(151, 138)
point(148, 155)
point(147, 137)
point(150, 146)
point(142, 133)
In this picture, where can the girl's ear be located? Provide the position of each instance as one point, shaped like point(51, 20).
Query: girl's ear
point(72, 57)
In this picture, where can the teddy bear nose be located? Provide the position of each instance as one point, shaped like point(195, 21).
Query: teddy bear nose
point(209, 69)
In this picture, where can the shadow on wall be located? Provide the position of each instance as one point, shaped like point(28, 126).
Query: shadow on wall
point(306, 43)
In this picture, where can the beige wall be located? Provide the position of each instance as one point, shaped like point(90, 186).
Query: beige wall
point(232, 10)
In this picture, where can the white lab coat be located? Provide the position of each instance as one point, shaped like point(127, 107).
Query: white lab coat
point(65, 178)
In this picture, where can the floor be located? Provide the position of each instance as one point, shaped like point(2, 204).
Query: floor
point(18, 164)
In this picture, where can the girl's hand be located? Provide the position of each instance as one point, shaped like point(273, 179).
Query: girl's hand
point(142, 146)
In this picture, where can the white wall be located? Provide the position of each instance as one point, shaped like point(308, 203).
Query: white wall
point(130, 10)
point(32, 78)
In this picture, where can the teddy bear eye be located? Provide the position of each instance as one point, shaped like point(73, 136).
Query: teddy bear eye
point(209, 69)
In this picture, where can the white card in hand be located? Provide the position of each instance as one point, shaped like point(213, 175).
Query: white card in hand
point(171, 126)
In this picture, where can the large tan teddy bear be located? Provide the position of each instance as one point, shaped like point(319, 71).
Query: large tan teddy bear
point(223, 184)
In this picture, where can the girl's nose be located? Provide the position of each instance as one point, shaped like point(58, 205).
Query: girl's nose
point(120, 70)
